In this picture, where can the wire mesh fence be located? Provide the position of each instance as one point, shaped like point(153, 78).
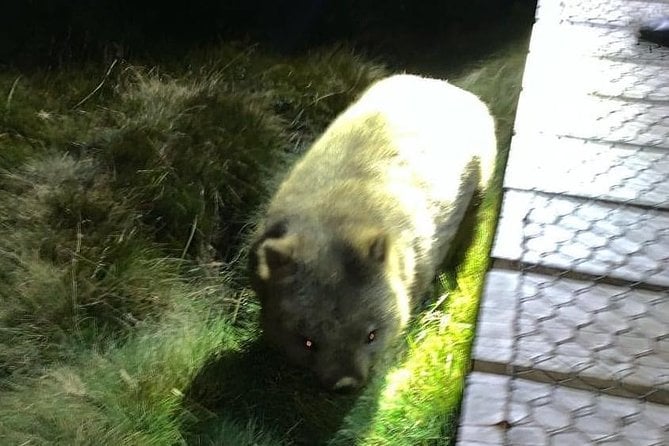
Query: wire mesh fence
point(589, 310)
point(572, 345)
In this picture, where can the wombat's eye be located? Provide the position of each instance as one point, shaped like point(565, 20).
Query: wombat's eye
point(308, 343)
point(371, 336)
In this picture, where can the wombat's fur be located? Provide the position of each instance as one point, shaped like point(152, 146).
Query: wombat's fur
point(355, 233)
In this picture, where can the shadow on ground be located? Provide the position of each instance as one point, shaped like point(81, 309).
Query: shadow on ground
point(257, 384)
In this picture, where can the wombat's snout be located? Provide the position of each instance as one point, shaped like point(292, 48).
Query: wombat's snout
point(343, 379)
point(346, 384)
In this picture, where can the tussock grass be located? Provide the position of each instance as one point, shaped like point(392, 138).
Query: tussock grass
point(76, 263)
point(194, 156)
point(124, 192)
point(129, 393)
point(125, 197)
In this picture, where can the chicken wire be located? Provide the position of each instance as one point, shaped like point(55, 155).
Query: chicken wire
point(572, 344)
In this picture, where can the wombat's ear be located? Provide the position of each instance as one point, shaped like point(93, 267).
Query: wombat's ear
point(275, 258)
point(377, 246)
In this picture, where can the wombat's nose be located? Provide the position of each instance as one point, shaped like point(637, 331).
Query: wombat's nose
point(346, 383)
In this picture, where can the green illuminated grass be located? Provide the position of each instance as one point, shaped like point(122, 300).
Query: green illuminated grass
point(125, 194)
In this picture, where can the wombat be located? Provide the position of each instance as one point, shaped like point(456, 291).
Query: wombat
point(355, 233)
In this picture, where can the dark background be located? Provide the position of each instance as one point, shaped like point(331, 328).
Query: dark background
point(56, 32)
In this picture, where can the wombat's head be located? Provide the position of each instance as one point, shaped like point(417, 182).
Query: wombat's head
point(330, 303)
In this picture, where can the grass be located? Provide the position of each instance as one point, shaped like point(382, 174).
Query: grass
point(126, 194)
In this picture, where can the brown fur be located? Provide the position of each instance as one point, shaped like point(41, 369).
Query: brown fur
point(355, 233)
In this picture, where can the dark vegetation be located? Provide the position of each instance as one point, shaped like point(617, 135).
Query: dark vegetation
point(138, 141)
point(53, 32)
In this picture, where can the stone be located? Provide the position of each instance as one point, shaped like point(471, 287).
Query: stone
point(601, 333)
point(569, 438)
point(596, 425)
point(573, 349)
point(633, 344)
point(650, 327)
point(497, 351)
point(594, 341)
point(588, 169)
point(628, 227)
point(596, 42)
point(612, 13)
point(471, 435)
point(644, 429)
point(599, 119)
point(612, 321)
point(494, 330)
point(527, 436)
point(574, 316)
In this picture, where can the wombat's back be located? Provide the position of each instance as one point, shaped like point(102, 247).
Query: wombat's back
point(430, 121)
point(406, 157)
